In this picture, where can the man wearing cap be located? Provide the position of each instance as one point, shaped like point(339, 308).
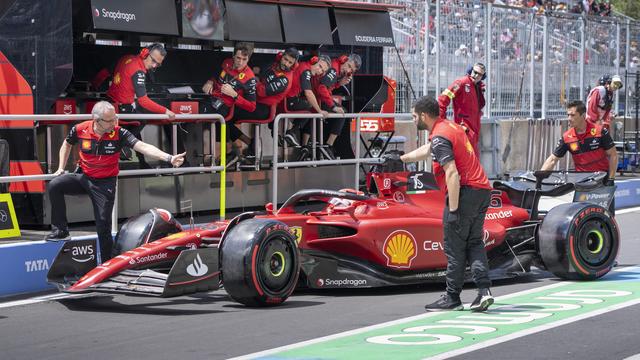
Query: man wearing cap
point(467, 94)
point(600, 100)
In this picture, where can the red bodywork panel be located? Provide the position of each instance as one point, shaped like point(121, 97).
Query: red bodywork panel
point(399, 231)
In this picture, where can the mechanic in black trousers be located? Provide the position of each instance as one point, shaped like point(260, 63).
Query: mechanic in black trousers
point(590, 145)
point(459, 174)
point(100, 141)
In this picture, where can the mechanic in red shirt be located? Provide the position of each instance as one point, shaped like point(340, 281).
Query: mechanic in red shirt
point(459, 174)
point(600, 100)
point(128, 91)
point(467, 94)
point(339, 74)
point(271, 88)
point(301, 96)
point(590, 145)
point(233, 88)
point(99, 143)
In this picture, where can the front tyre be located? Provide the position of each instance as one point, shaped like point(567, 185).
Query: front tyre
point(260, 262)
point(578, 241)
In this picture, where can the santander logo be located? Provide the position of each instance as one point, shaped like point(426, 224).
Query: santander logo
point(197, 267)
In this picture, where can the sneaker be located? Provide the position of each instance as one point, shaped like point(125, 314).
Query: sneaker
point(446, 302)
point(57, 235)
point(305, 154)
point(482, 301)
point(327, 152)
point(291, 139)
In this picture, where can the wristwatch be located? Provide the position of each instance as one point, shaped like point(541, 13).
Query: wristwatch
point(169, 158)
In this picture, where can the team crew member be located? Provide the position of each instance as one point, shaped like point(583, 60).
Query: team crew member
point(100, 141)
point(271, 88)
point(234, 87)
point(467, 94)
point(590, 145)
point(301, 96)
point(460, 175)
point(600, 100)
point(128, 91)
point(339, 74)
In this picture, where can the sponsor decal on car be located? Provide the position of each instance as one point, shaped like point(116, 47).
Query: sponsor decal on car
point(36, 265)
point(498, 215)
point(429, 245)
point(386, 183)
point(340, 282)
point(431, 275)
point(400, 249)
point(382, 205)
point(197, 268)
point(148, 258)
point(398, 196)
point(82, 253)
point(485, 239)
point(496, 199)
point(296, 231)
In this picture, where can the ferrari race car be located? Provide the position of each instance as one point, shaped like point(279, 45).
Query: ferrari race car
point(390, 235)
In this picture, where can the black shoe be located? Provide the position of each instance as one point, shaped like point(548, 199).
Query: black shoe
point(305, 154)
point(291, 139)
point(482, 301)
point(446, 302)
point(125, 154)
point(57, 235)
point(327, 152)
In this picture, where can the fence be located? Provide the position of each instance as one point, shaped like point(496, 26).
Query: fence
point(537, 62)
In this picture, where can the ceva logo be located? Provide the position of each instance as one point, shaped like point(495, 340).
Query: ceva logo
point(36, 265)
point(197, 268)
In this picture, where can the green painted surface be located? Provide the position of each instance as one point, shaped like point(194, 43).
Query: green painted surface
point(438, 333)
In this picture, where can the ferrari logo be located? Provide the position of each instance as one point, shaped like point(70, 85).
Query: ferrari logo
point(223, 74)
point(86, 144)
point(297, 232)
point(469, 147)
point(116, 79)
point(400, 249)
point(241, 76)
point(573, 146)
point(593, 131)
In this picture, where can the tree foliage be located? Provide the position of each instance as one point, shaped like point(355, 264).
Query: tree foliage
point(630, 8)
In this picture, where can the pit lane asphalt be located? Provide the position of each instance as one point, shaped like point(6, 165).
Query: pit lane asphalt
point(210, 326)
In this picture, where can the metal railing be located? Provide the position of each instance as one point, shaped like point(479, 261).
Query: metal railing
point(182, 118)
point(357, 160)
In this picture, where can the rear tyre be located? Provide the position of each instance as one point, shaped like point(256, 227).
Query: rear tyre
point(260, 262)
point(578, 241)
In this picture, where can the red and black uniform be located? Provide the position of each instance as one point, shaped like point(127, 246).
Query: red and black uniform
point(129, 85)
point(97, 176)
point(468, 101)
point(301, 81)
point(588, 149)
point(243, 82)
point(322, 87)
point(599, 103)
point(271, 89)
point(463, 229)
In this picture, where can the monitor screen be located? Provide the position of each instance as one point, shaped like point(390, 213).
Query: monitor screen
point(203, 19)
point(306, 25)
point(249, 21)
point(143, 16)
point(364, 28)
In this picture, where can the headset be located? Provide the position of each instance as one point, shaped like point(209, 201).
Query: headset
point(470, 69)
point(343, 59)
point(144, 52)
point(314, 60)
point(293, 52)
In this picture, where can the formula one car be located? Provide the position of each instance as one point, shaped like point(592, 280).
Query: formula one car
point(391, 235)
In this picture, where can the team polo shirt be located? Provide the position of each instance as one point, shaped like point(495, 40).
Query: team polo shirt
point(589, 149)
point(99, 155)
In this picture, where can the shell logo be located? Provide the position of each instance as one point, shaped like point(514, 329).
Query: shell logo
point(86, 144)
point(573, 146)
point(400, 249)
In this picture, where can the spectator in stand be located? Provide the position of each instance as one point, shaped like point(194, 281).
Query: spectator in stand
point(128, 91)
point(234, 87)
point(462, 51)
point(100, 141)
point(467, 94)
point(339, 74)
point(600, 100)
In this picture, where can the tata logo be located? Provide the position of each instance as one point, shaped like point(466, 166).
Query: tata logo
point(36, 265)
point(186, 109)
point(82, 253)
point(197, 267)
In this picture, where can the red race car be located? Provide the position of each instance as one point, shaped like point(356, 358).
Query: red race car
point(391, 235)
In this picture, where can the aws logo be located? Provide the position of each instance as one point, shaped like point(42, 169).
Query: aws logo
point(400, 249)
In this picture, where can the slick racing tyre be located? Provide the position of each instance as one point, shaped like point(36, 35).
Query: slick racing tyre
point(578, 241)
point(260, 262)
